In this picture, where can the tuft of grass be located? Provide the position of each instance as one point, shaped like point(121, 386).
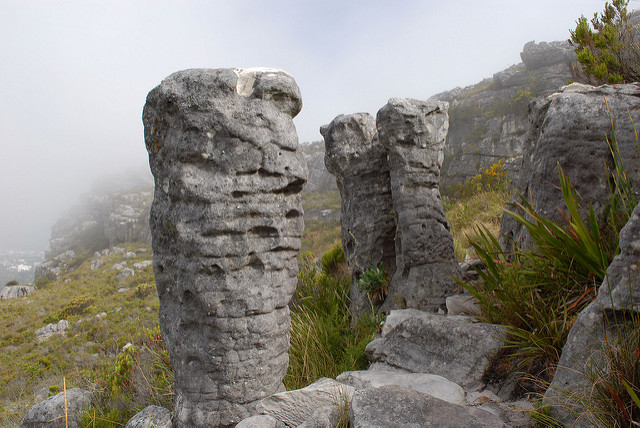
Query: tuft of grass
point(323, 344)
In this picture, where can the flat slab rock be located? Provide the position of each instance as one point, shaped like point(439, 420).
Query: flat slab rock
point(434, 385)
point(450, 346)
point(295, 407)
point(394, 406)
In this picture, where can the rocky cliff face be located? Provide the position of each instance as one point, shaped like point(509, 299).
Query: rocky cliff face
point(113, 213)
point(488, 121)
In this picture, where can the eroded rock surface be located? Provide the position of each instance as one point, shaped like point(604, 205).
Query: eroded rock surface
point(449, 346)
point(570, 128)
point(413, 133)
point(392, 405)
point(617, 303)
point(359, 162)
point(226, 223)
point(51, 412)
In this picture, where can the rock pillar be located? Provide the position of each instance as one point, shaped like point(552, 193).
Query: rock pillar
point(413, 133)
point(355, 157)
point(226, 223)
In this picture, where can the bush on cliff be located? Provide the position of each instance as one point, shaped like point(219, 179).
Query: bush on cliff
point(607, 46)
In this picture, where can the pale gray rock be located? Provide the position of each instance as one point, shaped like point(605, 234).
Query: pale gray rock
point(125, 273)
point(151, 417)
point(295, 407)
point(50, 413)
point(453, 347)
point(570, 128)
point(463, 304)
point(66, 256)
point(143, 264)
point(129, 255)
point(394, 406)
point(226, 222)
point(356, 158)
point(15, 291)
point(51, 329)
point(425, 383)
point(96, 264)
point(260, 421)
point(413, 133)
point(325, 417)
point(617, 301)
point(119, 266)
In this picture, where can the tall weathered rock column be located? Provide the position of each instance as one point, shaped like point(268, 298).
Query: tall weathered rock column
point(356, 158)
point(226, 223)
point(413, 133)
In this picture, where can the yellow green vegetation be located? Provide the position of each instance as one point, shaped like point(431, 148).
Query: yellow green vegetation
point(479, 202)
point(86, 355)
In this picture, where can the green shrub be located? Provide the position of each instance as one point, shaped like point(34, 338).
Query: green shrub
point(606, 46)
point(323, 343)
point(12, 282)
point(77, 306)
point(375, 282)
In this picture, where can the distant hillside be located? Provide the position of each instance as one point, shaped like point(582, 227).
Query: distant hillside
point(488, 120)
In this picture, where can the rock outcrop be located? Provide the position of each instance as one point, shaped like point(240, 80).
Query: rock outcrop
point(15, 291)
point(448, 346)
point(488, 121)
point(359, 162)
point(571, 128)
point(226, 222)
point(388, 173)
point(616, 304)
point(413, 133)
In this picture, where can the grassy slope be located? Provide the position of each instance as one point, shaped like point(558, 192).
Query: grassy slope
point(85, 354)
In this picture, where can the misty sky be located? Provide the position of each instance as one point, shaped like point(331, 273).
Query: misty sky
point(75, 74)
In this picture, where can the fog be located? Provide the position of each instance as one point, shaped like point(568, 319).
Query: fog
point(75, 74)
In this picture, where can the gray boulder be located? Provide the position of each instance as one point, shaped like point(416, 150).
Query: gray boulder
point(617, 301)
point(50, 412)
point(359, 162)
point(413, 133)
point(425, 383)
point(453, 347)
point(295, 407)
point(52, 329)
point(226, 222)
point(151, 417)
point(394, 406)
point(15, 291)
point(571, 128)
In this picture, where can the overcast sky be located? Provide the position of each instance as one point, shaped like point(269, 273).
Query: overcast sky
point(75, 74)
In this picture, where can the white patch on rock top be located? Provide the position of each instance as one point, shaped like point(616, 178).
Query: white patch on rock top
point(247, 78)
